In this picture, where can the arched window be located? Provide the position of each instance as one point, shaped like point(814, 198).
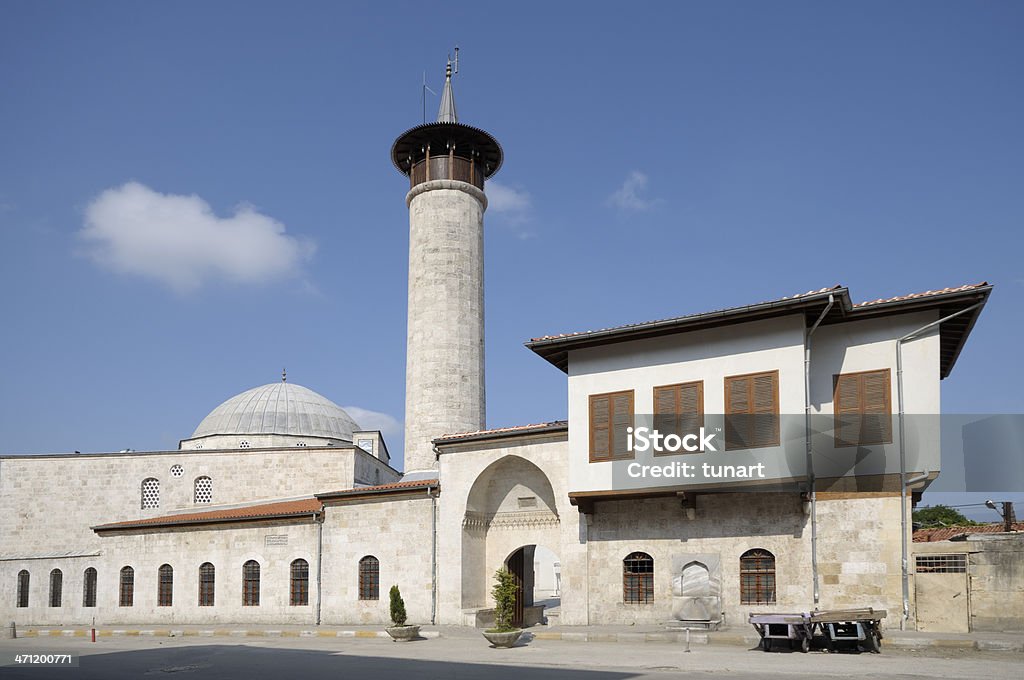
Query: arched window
point(89, 588)
point(23, 581)
point(251, 584)
point(203, 490)
point(757, 577)
point(638, 578)
point(300, 583)
point(165, 586)
point(126, 590)
point(207, 576)
point(369, 578)
point(150, 493)
point(56, 586)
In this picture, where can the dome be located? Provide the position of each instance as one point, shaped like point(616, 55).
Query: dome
point(278, 408)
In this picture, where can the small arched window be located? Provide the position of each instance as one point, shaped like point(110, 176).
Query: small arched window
point(23, 583)
point(757, 577)
point(638, 578)
point(56, 586)
point(150, 493)
point(369, 578)
point(207, 576)
point(89, 588)
point(165, 586)
point(203, 490)
point(299, 583)
point(126, 589)
point(251, 584)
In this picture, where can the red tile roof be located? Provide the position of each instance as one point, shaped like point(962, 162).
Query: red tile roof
point(927, 293)
point(304, 506)
point(381, 488)
point(499, 431)
point(946, 533)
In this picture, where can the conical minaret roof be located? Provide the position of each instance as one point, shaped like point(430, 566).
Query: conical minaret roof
point(446, 112)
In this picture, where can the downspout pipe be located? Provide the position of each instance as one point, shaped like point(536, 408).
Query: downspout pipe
point(810, 456)
point(433, 554)
point(904, 482)
point(318, 517)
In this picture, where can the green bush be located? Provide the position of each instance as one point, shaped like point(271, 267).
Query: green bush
point(504, 593)
point(398, 616)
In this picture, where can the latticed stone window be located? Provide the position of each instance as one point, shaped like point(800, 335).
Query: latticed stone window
point(757, 577)
point(251, 584)
point(638, 578)
point(23, 583)
point(299, 584)
point(203, 490)
point(244, 444)
point(165, 586)
point(126, 591)
point(207, 575)
point(369, 578)
point(89, 588)
point(56, 587)
point(150, 493)
point(177, 471)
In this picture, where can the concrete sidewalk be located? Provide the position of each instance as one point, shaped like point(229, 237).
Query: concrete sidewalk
point(910, 640)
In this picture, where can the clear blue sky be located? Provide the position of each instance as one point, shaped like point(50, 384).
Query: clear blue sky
point(661, 158)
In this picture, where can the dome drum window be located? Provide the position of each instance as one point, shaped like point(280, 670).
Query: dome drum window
point(244, 444)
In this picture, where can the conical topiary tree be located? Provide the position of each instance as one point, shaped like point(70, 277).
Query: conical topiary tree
point(504, 593)
point(398, 615)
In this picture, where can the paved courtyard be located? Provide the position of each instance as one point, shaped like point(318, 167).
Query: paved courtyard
point(467, 657)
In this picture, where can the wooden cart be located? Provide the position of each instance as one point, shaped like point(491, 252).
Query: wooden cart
point(859, 628)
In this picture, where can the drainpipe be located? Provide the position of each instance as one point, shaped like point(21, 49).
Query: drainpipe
point(433, 555)
point(904, 482)
point(319, 519)
point(810, 457)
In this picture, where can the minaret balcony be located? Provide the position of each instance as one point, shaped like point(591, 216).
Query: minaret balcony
point(446, 167)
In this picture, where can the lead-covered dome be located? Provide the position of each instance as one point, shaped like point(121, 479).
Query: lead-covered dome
point(278, 409)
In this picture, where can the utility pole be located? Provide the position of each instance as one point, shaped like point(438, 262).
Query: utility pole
point(1008, 518)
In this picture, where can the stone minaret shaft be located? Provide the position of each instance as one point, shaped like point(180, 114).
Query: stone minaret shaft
point(447, 163)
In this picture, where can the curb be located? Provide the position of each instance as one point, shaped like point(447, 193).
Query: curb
point(218, 632)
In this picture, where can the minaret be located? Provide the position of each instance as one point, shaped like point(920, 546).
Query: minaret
point(447, 163)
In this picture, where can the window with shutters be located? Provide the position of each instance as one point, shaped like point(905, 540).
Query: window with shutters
point(638, 578)
point(207, 575)
point(89, 588)
point(757, 577)
point(126, 592)
point(300, 584)
point(23, 582)
point(863, 408)
point(56, 587)
point(752, 410)
point(165, 586)
point(610, 416)
point(251, 584)
point(679, 409)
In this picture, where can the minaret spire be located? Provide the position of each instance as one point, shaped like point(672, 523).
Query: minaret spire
point(446, 112)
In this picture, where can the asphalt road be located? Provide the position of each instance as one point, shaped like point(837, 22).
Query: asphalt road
point(466, 658)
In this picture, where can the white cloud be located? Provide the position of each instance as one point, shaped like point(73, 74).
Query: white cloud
point(504, 199)
point(389, 426)
point(629, 195)
point(179, 241)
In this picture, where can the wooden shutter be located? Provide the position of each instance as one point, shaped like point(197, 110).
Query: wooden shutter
point(752, 410)
point(679, 408)
point(610, 416)
point(862, 404)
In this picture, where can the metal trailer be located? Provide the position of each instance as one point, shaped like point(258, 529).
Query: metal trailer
point(837, 627)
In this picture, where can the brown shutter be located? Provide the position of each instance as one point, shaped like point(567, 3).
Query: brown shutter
point(863, 408)
point(622, 419)
point(691, 407)
point(600, 428)
point(752, 410)
point(847, 407)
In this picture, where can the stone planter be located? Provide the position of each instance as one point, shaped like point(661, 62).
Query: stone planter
point(507, 639)
point(403, 633)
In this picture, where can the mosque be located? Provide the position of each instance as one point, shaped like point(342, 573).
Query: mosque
point(280, 509)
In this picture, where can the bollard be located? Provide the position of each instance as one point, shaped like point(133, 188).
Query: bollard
point(13, 634)
point(687, 639)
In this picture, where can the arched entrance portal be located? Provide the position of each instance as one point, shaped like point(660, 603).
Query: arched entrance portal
point(510, 521)
point(538, 573)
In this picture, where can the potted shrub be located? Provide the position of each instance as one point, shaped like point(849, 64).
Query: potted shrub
point(504, 634)
point(398, 631)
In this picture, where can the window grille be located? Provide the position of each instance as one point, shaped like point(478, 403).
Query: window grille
point(126, 595)
point(251, 584)
point(89, 588)
point(203, 490)
point(638, 578)
point(23, 583)
point(757, 577)
point(941, 564)
point(150, 493)
point(207, 575)
point(165, 586)
point(299, 583)
point(369, 578)
point(56, 586)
